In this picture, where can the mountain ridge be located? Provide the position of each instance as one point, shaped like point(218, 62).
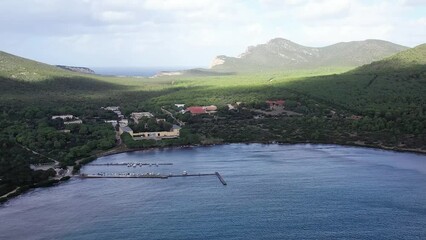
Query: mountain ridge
point(283, 54)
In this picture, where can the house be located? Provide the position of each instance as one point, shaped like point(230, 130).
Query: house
point(63, 117)
point(196, 110)
point(275, 103)
point(173, 133)
point(210, 108)
point(180, 105)
point(76, 121)
point(113, 122)
point(138, 115)
point(68, 119)
point(230, 107)
point(356, 117)
point(111, 108)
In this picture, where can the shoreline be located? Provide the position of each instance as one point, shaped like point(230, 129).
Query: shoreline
point(394, 149)
point(124, 149)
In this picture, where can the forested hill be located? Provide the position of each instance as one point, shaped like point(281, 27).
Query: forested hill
point(282, 54)
point(394, 87)
point(413, 59)
point(14, 67)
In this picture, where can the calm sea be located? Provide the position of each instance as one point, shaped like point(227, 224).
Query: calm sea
point(273, 192)
point(134, 71)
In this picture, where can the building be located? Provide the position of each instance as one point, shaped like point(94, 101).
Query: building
point(138, 115)
point(63, 117)
point(111, 108)
point(196, 110)
point(76, 121)
point(173, 133)
point(178, 105)
point(210, 108)
point(68, 119)
point(121, 123)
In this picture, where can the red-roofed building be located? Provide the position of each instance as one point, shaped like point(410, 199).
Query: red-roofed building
point(195, 110)
point(210, 108)
point(275, 103)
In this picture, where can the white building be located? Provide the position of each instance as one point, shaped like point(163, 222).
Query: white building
point(138, 115)
point(63, 117)
point(77, 121)
point(111, 108)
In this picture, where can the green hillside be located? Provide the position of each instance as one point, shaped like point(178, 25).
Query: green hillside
point(19, 68)
point(282, 54)
point(409, 60)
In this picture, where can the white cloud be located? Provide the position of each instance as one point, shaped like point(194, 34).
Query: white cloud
point(325, 9)
point(192, 32)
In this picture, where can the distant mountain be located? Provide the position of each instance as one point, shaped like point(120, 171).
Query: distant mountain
point(282, 54)
point(77, 69)
point(14, 67)
point(411, 60)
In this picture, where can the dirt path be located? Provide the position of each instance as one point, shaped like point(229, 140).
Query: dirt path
point(9, 193)
point(171, 115)
point(37, 153)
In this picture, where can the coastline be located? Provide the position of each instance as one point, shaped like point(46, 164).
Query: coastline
point(124, 149)
point(371, 146)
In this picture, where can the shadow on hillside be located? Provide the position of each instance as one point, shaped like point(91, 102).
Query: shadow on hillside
point(63, 84)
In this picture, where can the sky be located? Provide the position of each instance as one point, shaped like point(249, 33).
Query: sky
point(190, 33)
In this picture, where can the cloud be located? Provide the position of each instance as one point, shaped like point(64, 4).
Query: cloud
point(192, 32)
point(324, 9)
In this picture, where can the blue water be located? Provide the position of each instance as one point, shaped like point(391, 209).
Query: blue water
point(134, 71)
point(273, 192)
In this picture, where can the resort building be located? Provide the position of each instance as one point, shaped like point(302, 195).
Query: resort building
point(136, 116)
point(76, 121)
point(121, 123)
point(173, 133)
point(111, 108)
point(196, 110)
point(63, 117)
point(68, 119)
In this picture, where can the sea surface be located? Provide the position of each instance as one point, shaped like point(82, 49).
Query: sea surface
point(134, 71)
point(273, 192)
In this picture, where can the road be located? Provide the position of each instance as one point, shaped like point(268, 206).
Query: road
point(171, 115)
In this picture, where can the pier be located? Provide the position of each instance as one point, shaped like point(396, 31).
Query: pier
point(220, 178)
point(151, 175)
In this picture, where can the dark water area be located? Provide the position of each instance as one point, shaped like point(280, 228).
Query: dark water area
point(273, 192)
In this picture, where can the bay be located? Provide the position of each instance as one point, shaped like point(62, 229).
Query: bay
point(274, 191)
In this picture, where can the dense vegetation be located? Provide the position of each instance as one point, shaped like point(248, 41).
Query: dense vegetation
point(360, 107)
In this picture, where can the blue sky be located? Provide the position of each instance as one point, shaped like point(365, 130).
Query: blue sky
point(152, 33)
